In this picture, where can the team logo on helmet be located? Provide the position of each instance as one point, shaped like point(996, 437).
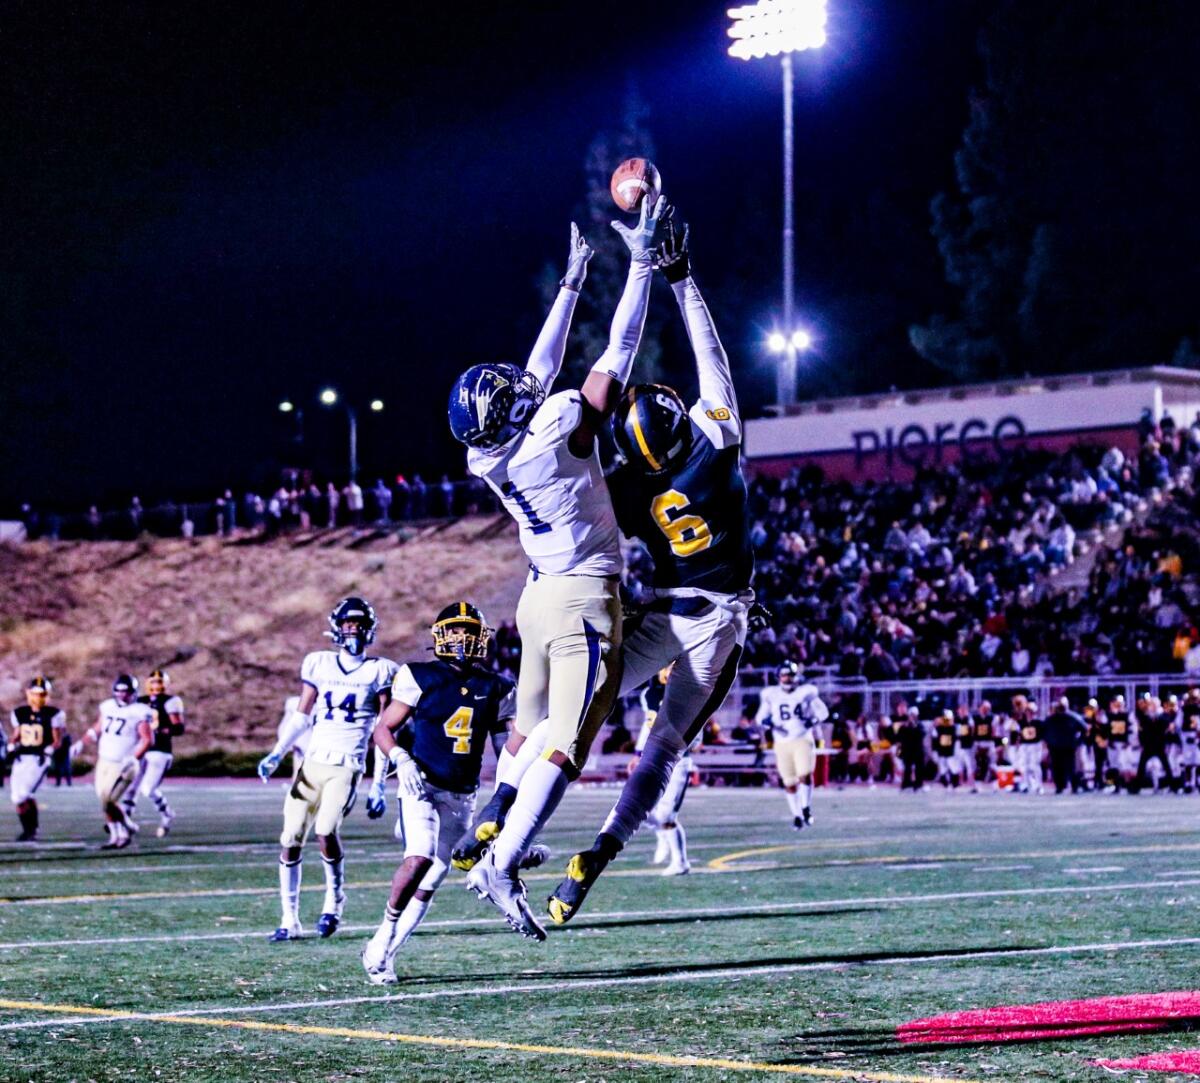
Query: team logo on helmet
point(357, 613)
point(460, 634)
point(491, 403)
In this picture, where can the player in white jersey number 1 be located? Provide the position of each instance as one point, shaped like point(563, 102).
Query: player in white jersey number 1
point(342, 695)
point(537, 451)
point(794, 711)
point(122, 734)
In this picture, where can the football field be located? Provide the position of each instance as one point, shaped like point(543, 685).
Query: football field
point(806, 956)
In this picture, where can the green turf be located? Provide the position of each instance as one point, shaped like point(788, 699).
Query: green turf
point(809, 955)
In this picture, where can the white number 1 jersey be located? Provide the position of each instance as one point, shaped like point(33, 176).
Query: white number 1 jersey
point(346, 708)
point(560, 502)
point(793, 712)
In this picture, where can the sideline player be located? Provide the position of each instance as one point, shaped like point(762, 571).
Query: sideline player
point(538, 452)
point(794, 711)
point(671, 839)
point(1189, 735)
point(682, 493)
point(168, 724)
point(945, 748)
point(433, 734)
point(122, 735)
point(37, 731)
point(348, 688)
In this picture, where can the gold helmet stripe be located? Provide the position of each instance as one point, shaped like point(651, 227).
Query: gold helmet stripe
point(641, 436)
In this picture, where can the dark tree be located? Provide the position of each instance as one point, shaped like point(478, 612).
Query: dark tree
point(1073, 237)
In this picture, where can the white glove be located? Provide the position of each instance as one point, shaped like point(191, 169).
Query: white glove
point(267, 766)
point(577, 260)
point(642, 239)
point(409, 782)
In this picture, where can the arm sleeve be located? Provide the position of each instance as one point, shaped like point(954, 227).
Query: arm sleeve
point(291, 728)
point(625, 335)
point(817, 709)
point(712, 367)
point(405, 688)
point(546, 358)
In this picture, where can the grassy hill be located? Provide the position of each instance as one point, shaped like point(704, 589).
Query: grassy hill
point(231, 620)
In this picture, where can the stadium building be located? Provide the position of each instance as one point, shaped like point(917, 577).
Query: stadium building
point(892, 435)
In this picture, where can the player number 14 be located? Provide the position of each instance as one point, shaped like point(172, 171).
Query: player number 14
point(458, 727)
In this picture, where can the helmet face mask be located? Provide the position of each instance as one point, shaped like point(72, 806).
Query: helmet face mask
point(156, 683)
point(124, 689)
point(787, 674)
point(352, 625)
point(461, 634)
point(492, 403)
point(37, 692)
point(651, 428)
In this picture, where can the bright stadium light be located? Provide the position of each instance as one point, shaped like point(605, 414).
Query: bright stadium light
point(776, 343)
point(771, 27)
point(328, 397)
point(377, 405)
point(780, 28)
point(801, 340)
point(286, 407)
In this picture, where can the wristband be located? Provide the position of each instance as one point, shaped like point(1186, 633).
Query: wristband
point(566, 284)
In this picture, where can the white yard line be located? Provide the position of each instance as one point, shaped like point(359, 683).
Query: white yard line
point(558, 984)
point(594, 920)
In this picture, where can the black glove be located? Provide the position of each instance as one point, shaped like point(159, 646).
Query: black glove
point(671, 256)
point(759, 617)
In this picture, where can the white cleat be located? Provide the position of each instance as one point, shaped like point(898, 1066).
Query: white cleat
point(675, 869)
point(164, 826)
point(379, 960)
point(504, 891)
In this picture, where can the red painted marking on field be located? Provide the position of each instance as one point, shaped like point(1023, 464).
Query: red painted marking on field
point(1181, 1062)
point(1056, 1019)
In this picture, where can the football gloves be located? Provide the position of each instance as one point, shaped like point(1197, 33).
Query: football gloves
point(759, 617)
point(376, 800)
point(268, 765)
point(577, 260)
point(409, 782)
point(641, 239)
point(671, 256)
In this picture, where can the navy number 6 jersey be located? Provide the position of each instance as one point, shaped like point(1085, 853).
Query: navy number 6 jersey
point(455, 712)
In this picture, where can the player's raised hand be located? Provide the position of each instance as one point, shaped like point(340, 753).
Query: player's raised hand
point(672, 256)
point(577, 259)
point(642, 238)
point(759, 617)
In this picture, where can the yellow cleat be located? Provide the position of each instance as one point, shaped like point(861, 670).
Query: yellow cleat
point(470, 848)
point(583, 870)
point(560, 912)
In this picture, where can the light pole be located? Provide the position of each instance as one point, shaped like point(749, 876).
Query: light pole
point(771, 28)
point(289, 407)
point(329, 397)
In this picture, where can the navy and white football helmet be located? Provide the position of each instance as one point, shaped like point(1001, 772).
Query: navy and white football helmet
point(787, 674)
point(356, 612)
point(491, 403)
point(124, 688)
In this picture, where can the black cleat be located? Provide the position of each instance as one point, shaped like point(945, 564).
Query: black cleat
point(806, 812)
point(474, 843)
point(798, 823)
point(583, 870)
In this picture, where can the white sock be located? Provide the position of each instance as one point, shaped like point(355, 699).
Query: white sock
point(673, 845)
point(538, 796)
point(662, 847)
point(681, 844)
point(410, 918)
point(289, 892)
point(642, 792)
point(793, 802)
point(511, 772)
point(335, 882)
point(805, 795)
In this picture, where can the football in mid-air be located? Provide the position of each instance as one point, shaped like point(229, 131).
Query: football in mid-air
point(632, 181)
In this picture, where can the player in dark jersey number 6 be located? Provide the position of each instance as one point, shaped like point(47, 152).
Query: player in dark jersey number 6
point(433, 733)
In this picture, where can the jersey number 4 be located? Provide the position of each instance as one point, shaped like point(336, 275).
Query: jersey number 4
point(458, 728)
point(688, 534)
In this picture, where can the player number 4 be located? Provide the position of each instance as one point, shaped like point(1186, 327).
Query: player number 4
point(458, 727)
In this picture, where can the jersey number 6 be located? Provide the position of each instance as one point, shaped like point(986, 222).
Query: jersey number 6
point(458, 726)
point(688, 534)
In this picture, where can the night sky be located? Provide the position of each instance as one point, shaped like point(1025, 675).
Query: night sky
point(209, 208)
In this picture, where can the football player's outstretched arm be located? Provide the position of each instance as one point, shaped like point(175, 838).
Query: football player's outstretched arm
point(145, 740)
point(717, 395)
point(606, 382)
point(409, 781)
point(294, 725)
point(546, 357)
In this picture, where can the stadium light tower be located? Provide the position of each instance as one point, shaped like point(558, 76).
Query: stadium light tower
point(330, 397)
point(780, 28)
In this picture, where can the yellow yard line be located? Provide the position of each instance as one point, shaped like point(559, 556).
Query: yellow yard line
point(487, 1045)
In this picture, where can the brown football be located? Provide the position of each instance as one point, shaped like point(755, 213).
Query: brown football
point(632, 181)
